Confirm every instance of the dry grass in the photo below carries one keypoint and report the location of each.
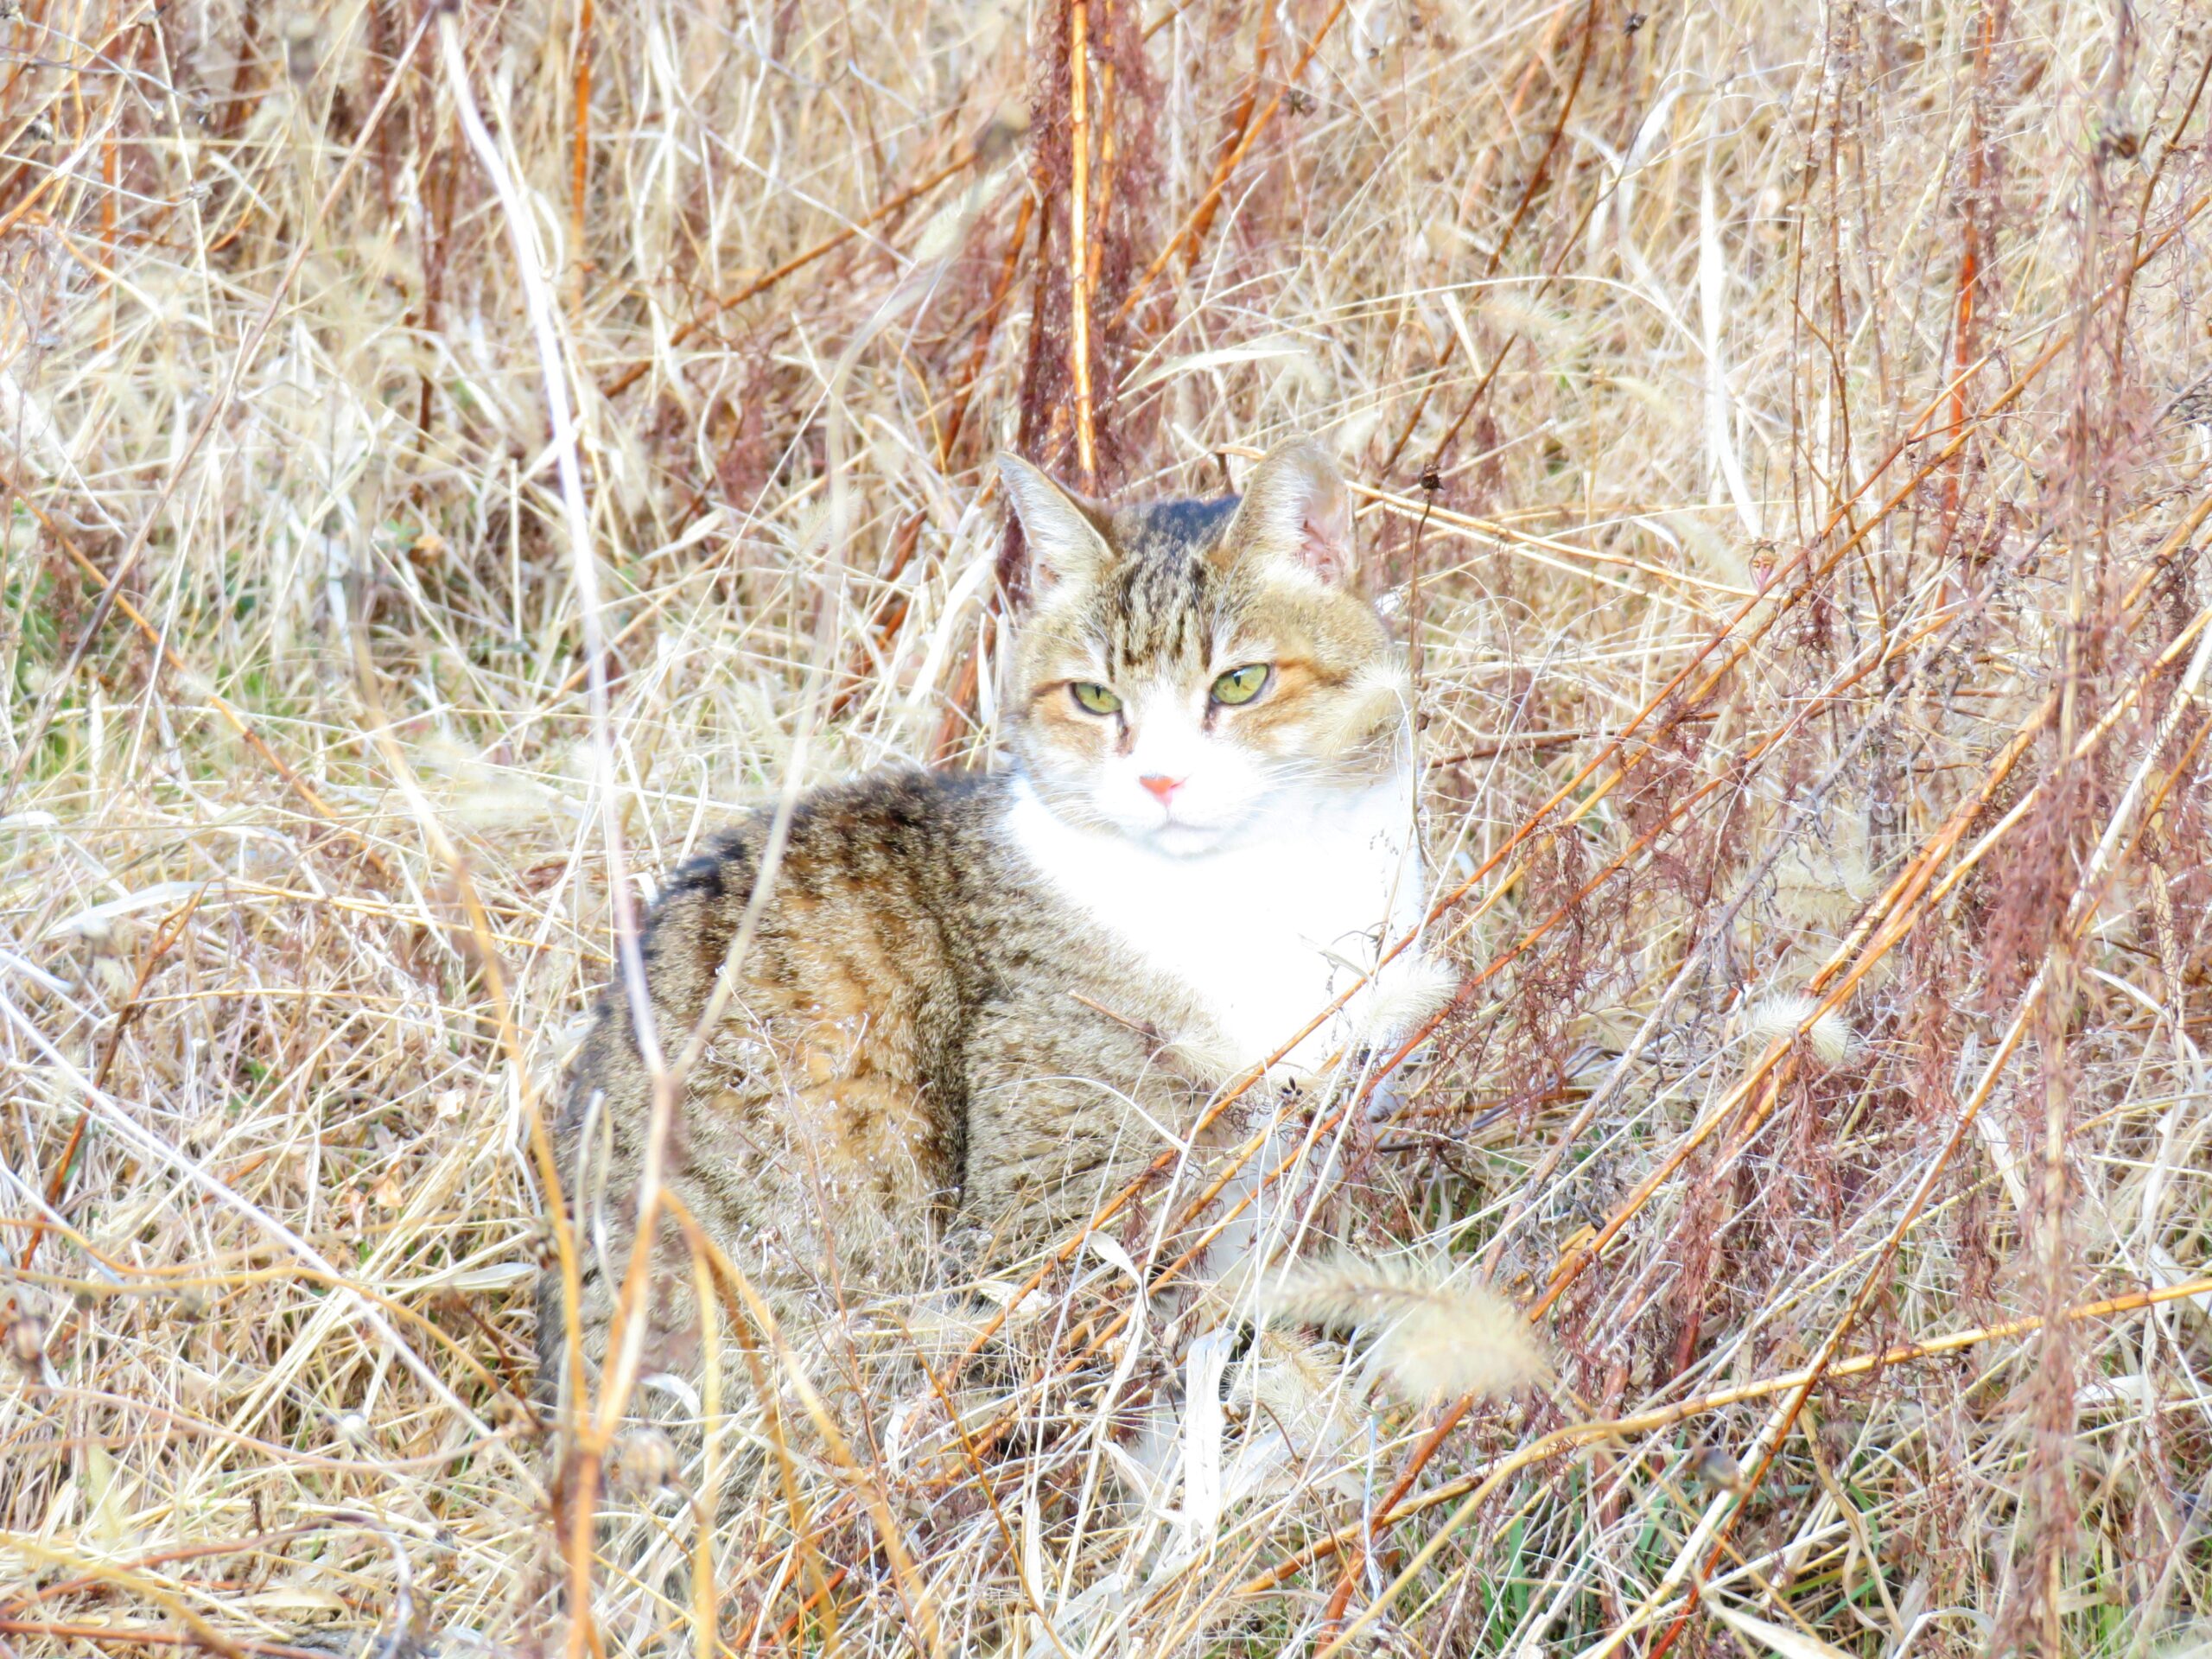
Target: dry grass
(1781, 428)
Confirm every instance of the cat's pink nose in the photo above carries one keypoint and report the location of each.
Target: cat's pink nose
(1162, 786)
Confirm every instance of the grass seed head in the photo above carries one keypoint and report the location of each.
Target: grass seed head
(1773, 1019)
(1427, 1331)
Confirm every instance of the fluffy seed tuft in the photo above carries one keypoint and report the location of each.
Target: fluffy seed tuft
(1831, 1038)
(1430, 1337)
(645, 1458)
(1402, 1002)
(27, 1340)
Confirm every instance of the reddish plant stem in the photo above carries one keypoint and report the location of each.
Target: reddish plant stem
(1520, 213)
(1970, 254)
(1191, 235)
(580, 159)
(1915, 879)
(1086, 446)
(760, 285)
(1240, 122)
(164, 942)
(1451, 346)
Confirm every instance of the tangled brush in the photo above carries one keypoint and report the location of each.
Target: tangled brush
(1779, 434)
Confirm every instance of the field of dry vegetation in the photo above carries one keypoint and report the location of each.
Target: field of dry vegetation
(452, 460)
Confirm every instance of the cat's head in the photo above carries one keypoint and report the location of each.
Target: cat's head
(1188, 667)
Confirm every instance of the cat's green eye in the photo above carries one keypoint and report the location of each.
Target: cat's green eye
(1096, 698)
(1240, 685)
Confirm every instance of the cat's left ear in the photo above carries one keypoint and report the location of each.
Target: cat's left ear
(1296, 512)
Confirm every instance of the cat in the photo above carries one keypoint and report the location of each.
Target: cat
(972, 1006)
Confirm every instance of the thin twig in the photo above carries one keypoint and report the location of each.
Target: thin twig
(1190, 234)
(760, 284)
(1086, 445)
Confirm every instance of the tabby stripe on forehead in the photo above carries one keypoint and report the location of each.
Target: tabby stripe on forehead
(1164, 606)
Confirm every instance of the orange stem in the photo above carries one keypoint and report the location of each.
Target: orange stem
(1193, 229)
(761, 284)
(1079, 235)
(580, 157)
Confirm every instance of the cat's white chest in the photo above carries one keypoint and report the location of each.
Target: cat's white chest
(1266, 932)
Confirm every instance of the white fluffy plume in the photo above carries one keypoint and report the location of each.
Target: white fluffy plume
(1400, 1001)
(1430, 1337)
(1831, 1038)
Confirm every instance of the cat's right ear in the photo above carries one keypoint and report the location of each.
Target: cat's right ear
(1064, 544)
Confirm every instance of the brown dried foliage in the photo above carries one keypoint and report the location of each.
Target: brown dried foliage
(1802, 398)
